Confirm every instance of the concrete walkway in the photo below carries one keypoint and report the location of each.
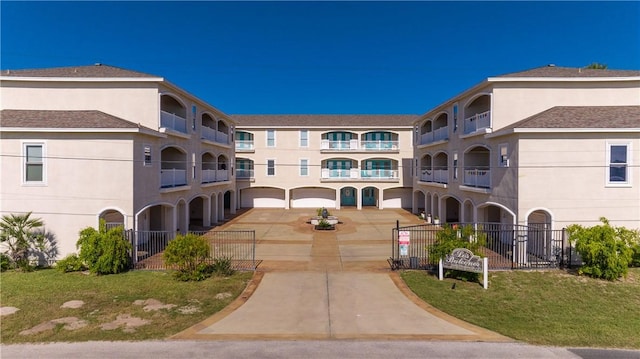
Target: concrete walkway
(328, 284)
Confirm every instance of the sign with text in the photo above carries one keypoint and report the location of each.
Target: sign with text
(403, 241)
(464, 260)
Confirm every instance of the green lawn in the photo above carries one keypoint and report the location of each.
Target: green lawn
(548, 307)
(40, 294)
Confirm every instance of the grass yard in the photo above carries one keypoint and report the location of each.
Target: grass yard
(40, 294)
(548, 308)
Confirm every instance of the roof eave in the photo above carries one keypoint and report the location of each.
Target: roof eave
(561, 130)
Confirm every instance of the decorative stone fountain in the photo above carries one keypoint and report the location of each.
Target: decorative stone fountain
(324, 221)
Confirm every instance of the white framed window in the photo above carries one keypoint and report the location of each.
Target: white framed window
(455, 117)
(618, 161)
(34, 169)
(304, 138)
(503, 152)
(147, 156)
(455, 165)
(304, 167)
(271, 138)
(271, 167)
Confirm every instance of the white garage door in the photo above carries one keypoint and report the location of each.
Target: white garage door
(397, 198)
(262, 198)
(313, 198)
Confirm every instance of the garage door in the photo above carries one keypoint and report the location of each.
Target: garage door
(262, 198)
(397, 198)
(313, 198)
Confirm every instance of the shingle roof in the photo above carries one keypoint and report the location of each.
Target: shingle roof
(61, 119)
(582, 117)
(554, 71)
(324, 120)
(97, 71)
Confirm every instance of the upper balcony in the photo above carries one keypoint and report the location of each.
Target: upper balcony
(173, 167)
(434, 169)
(433, 131)
(173, 114)
(348, 170)
(477, 170)
(244, 169)
(244, 142)
(375, 141)
(214, 130)
(214, 169)
(478, 115)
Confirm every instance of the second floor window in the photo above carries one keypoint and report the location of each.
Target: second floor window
(34, 163)
(618, 166)
(271, 167)
(304, 167)
(147, 156)
(304, 138)
(271, 138)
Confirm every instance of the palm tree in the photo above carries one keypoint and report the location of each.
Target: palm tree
(20, 233)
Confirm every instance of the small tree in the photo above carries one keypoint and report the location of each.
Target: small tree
(605, 250)
(22, 236)
(596, 66)
(188, 254)
(104, 251)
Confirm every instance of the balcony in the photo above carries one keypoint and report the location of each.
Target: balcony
(328, 145)
(435, 176)
(244, 174)
(441, 134)
(245, 146)
(379, 146)
(213, 135)
(173, 177)
(173, 122)
(477, 122)
(357, 174)
(477, 177)
(210, 176)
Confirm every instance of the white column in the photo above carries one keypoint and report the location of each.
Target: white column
(287, 205)
(206, 212)
(337, 198)
(359, 198)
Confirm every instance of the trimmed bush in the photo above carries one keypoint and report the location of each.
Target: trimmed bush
(452, 237)
(188, 255)
(104, 251)
(606, 251)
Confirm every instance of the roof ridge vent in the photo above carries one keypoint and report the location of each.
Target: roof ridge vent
(551, 65)
(97, 64)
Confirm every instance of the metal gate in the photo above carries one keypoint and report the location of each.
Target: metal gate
(238, 246)
(507, 246)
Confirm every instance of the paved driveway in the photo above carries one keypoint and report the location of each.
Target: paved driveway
(329, 284)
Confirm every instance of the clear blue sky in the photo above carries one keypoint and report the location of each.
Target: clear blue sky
(321, 57)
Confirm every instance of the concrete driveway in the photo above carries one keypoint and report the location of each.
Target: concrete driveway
(329, 284)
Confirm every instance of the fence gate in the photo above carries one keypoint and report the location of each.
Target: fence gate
(507, 246)
(238, 246)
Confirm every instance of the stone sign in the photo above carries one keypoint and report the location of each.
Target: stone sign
(464, 260)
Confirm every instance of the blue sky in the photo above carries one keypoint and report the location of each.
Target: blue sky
(321, 57)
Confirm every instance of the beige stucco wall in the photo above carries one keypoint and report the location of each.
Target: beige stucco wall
(81, 180)
(566, 175)
(287, 154)
(512, 101)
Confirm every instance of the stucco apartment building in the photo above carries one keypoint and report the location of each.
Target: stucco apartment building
(332, 161)
(549, 145)
(80, 144)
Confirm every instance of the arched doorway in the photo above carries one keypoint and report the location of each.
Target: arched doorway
(369, 196)
(348, 196)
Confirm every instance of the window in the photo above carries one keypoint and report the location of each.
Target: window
(271, 138)
(271, 167)
(147, 156)
(503, 161)
(34, 163)
(304, 138)
(618, 163)
(455, 165)
(455, 118)
(304, 167)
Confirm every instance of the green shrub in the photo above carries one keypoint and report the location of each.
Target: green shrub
(188, 254)
(5, 262)
(606, 251)
(222, 266)
(70, 263)
(452, 237)
(104, 251)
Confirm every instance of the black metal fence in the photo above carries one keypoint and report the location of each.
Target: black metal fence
(507, 246)
(238, 246)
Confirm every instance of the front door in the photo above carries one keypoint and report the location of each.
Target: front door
(348, 196)
(369, 196)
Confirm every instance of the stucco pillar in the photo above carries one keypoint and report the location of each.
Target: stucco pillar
(337, 198)
(287, 197)
(359, 198)
(206, 212)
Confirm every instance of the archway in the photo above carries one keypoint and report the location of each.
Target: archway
(348, 197)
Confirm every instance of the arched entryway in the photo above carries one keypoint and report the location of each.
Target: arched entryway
(369, 196)
(451, 212)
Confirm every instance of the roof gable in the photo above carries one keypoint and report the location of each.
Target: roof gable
(92, 71)
(298, 121)
(62, 119)
(582, 117)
